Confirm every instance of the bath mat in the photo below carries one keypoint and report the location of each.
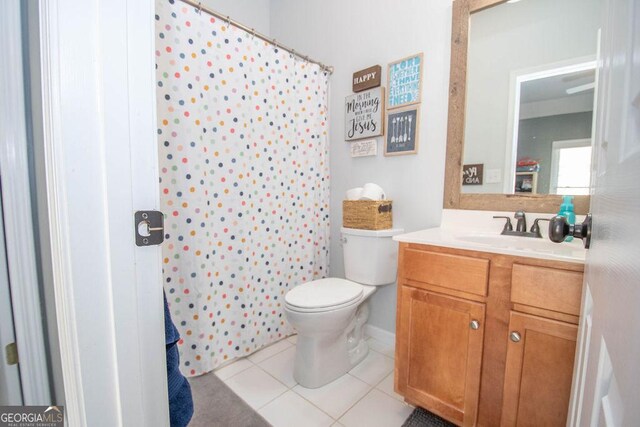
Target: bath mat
(423, 418)
(216, 405)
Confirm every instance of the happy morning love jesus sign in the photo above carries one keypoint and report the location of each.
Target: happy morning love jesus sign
(363, 114)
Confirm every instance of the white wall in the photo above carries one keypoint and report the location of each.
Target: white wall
(510, 37)
(352, 35)
(555, 107)
(252, 13)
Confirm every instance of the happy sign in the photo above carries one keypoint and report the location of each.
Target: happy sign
(367, 78)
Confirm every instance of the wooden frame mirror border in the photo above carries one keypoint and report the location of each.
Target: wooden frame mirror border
(453, 196)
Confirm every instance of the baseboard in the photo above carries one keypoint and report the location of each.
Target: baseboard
(380, 334)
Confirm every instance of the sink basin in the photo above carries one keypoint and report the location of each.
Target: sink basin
(496, 243)
(515, 242)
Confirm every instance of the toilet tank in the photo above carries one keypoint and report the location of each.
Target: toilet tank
(370, 256)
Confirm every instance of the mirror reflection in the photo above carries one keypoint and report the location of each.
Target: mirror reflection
(530, 95)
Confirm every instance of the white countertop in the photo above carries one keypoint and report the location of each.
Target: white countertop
(485, 237)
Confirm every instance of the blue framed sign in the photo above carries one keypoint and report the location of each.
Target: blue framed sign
(404, 81)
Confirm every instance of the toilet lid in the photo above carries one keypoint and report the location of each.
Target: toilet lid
(323, 293)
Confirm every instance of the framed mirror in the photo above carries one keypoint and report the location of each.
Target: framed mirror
(521, 102)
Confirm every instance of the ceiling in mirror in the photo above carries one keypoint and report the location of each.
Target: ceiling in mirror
(530, 96)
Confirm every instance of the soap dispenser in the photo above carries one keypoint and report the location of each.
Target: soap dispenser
(567, 211)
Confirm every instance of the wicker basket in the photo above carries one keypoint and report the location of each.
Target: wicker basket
(367, 214)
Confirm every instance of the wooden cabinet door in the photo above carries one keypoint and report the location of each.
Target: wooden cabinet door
(539, 370)
(440, 353)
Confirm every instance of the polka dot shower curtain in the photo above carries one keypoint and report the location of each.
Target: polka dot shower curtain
(242, 134)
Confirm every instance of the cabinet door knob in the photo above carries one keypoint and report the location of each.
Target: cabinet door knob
(514, 336)
(474, 325)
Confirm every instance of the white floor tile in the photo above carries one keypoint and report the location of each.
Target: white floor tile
(293, 339)
(383, 348)
(233, 368)
(255, 387)
(269, 351)
(336, 397)
(386, 386)
(291, 410)
(373, 368)
(280, 366)
(376, 410)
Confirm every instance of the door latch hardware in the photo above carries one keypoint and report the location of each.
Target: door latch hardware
(559, 228)
(11, 353)
(149, 228)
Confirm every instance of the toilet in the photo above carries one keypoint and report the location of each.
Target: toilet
(329, 314)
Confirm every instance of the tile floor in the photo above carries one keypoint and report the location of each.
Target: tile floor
(363, 397)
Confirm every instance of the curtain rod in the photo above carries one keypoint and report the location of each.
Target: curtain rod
(253, 32)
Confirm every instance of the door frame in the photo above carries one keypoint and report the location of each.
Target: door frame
(98, 89)
(18, 217)
(10, 387)
(516, 78)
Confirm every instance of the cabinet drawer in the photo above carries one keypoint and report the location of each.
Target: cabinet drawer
(547, 288)
(455, 272)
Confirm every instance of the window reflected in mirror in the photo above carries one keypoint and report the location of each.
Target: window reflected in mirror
(571, 167)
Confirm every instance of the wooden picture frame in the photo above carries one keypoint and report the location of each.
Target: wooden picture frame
(453, 196)
(393, 97)
(409, 128)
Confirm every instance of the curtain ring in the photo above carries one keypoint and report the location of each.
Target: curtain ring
(253, 33)
(293, 53)
(199, 8)
(275, 43)
(228, 21)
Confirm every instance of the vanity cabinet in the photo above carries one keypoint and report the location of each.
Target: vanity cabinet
(537, 381)
(442, 350)
(486, 339)
(542, 343)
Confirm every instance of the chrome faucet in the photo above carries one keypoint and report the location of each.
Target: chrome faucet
(521, 226)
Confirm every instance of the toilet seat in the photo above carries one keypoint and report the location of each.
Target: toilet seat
(324, 295)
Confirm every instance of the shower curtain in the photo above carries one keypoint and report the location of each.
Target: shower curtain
(244, 182)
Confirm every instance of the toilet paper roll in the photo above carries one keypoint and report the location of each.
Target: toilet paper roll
(354, 194)
(372, 191)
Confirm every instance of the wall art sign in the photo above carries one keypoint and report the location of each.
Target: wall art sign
(405, 81)
(364, 148)
(367, 78)
(402, 131)
(472, 174)
(364, 114)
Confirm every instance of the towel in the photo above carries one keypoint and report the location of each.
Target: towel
(180, 399)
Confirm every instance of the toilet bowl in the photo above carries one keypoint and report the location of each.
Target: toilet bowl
(329, 314)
